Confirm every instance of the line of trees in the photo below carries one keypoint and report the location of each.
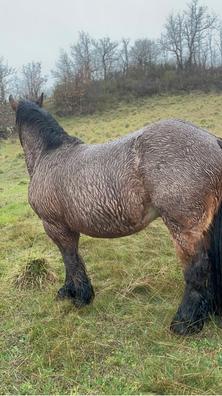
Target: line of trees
(187, 56)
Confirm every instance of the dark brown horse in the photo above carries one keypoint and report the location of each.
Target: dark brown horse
(170, 169)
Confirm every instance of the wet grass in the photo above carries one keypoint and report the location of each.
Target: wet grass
(121, 344)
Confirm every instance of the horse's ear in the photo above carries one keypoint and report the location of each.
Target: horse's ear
(13, 103)
(39, 101)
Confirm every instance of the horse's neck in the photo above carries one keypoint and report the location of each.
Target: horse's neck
(35, 145)
(33, 148)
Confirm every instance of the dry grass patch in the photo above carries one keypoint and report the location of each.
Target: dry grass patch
(36, 274)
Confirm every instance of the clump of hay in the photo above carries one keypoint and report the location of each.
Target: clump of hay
(140, 286)
(36, 274)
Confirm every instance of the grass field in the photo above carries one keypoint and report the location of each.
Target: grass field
(121, 344)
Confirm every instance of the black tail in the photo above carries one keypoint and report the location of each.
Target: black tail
(215, 257)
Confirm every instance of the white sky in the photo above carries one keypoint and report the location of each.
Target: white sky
(37, 30)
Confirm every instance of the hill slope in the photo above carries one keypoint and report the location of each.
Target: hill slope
(121, 344)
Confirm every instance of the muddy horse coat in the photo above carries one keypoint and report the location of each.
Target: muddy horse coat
(170, 169)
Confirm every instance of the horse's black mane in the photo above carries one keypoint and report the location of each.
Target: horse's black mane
(51, 133)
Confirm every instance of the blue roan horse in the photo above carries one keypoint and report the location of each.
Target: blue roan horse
(170, 169)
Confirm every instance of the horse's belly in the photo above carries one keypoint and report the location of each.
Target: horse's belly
(116, 226)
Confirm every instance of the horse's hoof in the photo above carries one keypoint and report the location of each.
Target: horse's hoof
(184, 328)
(191, 314)
(63, 293)
(84, 296)
(79, 296)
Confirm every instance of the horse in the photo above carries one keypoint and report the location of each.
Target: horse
(170, 169)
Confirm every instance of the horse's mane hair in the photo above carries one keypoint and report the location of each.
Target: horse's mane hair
(51, 133)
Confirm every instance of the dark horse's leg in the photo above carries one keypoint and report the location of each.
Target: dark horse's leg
(77, 284)
(191, 244)
(197, 300)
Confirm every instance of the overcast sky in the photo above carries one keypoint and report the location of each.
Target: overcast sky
(37, 30)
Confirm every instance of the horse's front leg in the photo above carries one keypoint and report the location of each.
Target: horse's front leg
(77, 283)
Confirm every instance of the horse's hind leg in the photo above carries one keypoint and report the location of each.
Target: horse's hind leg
(196, 302)
(77, 284)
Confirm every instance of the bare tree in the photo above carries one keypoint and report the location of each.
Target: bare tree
(144, 53)
(172, 39)
(33, 81)
(124, 56)
(219, 44)
(63, 71)
(211, 48)
(197, 25)
(188, 36)
(106, 56)
(83, 56)
(6, 77)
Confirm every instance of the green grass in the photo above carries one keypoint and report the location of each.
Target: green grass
(121, 344)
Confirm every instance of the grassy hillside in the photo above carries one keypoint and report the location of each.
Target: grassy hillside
(121, 344)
